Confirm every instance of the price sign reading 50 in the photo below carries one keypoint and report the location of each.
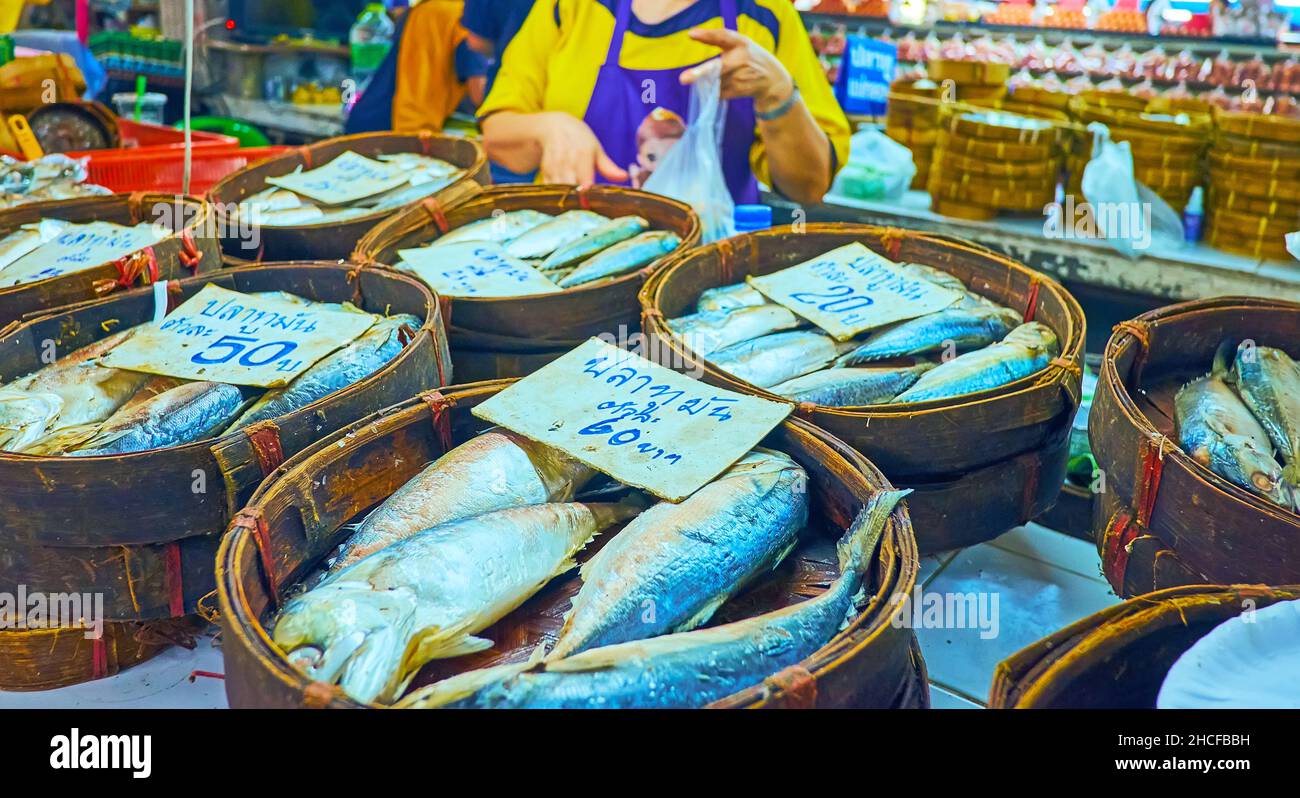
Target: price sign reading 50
(249, 352)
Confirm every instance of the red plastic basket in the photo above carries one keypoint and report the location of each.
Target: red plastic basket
(162, 171)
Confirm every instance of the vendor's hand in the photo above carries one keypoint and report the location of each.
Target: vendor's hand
(747, 69)
(572, 154)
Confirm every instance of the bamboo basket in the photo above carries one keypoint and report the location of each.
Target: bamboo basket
(513, 337)
(142, 529)
(980, 464)
(976, 72)
(296, 519)
(1119, 657)
(44, 659)
(1072, 513)
(335, 240)
(1159, 502)
(189, 250)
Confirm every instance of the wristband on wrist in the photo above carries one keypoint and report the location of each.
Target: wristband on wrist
(781, 110)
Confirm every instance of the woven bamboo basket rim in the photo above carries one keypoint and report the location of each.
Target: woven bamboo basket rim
(956, 179)
(1258, 126)
(1002, 150)
(480, 204)
(979, 166)
(964, 123)
(1166, 179)
(980, 72)
(1125, 339)
(39, 659)
(1248, 226)
(1167, 142)
(1218, 200)
(1010, 105)
(1071, 339)
(225, 190)
(1264, 167)
(1033, 676)
(1197, 126)
(1035, 95)
(1178, 161)
(962, 210)
(1255, 248)
(1010, 199)
(913, 136)
(1253, 148)
(82, 209)
(1112, 99)
(1190, 105)
(981, 93)
(1228, 184)
(897, 558)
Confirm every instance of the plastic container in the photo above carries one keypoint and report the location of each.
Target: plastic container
(1193, 216)
(151, 106)
(752, 217)
(369, 41)
(162, 170)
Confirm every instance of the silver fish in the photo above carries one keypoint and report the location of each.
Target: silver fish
(25, 416)
(623, 257)
(270, 199)
(597, 239)
(1026, 350)
(424, 598)
(729, 297)
(423, 165)
(347, 366)
(1216, 429)
(1268, 381)
(307, 214)
(709, 331)
(969, 298)
(191, 412)
(501, 229)
(774, 359)
(959, 328)
(546, 238)
(684, 560)
(689, 669)
(852, 387)
(493, 471)
(405, 195)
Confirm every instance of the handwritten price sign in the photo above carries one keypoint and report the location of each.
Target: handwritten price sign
(347, 178)
(226, 336)
(77, 248)
(638, 422)
(852, 289)
(475, 269)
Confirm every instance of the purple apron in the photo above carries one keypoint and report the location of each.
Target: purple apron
(637, 132)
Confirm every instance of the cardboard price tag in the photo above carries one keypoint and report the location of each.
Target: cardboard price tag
(77, 248)
(635, 421)
(852, 289)
(475, 269)
(226, 336)
(347, 178)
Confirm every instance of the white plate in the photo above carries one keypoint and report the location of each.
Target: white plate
(1251, 661)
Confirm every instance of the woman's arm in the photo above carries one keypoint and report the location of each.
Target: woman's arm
(561, 146)
(798, 151)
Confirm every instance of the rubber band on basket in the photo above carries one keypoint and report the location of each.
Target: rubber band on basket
(142, 262)
(1138, 329)
(438, 407)
(798, 686)
(1031, 305)
(173, 579)
(584, 200)
(433, 207)
(805, 410)
(305, 154)
(264, 439)
(1151, 454)
(98, 658)
(1118, 537)
(892, 240)
(726, 256)
(190, 255)
(426, 142)
(254, 523)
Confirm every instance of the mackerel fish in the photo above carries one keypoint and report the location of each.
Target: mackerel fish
(851, 387)
(623, 257)
(708, 331)
(684, 560)
(1216, 429)
(1026, 349)
(774, 359)
(963, 328)
(729, 297)
(188, 413)
(595, 240)
(493, 471)
(501, 229)
(684, 670)
(376, 622)
(546, 238)
(1268, 381)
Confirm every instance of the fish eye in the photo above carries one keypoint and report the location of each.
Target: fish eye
(1262, 481)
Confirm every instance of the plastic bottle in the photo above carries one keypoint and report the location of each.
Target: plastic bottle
(752, 217)
(1193, 214)
(370, 39)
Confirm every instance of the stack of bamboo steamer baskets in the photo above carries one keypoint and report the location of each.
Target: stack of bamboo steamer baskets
(1168, 139)
(1254, 179)
(1119, 657)
(298, 517)
(991, 159)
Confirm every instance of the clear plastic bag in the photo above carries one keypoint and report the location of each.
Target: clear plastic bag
(1130, 216)
(878, 168)
(692, 169)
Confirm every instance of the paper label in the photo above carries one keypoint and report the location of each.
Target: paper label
(226, 336)
(78, 248)
(347, 178)
(638, 422)
(475, 269)
(852, 289)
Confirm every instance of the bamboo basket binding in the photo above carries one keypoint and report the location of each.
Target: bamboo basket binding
(1119, 657)
(980, 464)
(335, 240)
(513, 337)
(43, 659)
(297, 518)
(142, 529)
(1165, 520)
(190, 249)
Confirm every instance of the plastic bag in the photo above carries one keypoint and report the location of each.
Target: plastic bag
(878, 168)
(1130, 216)
(692, 169)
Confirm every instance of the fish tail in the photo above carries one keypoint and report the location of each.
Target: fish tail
(1223, 358)
(856, 547)
(461, 686)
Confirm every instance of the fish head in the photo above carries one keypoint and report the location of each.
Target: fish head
(1035, 336)
(24, 417)
(1241, 460)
